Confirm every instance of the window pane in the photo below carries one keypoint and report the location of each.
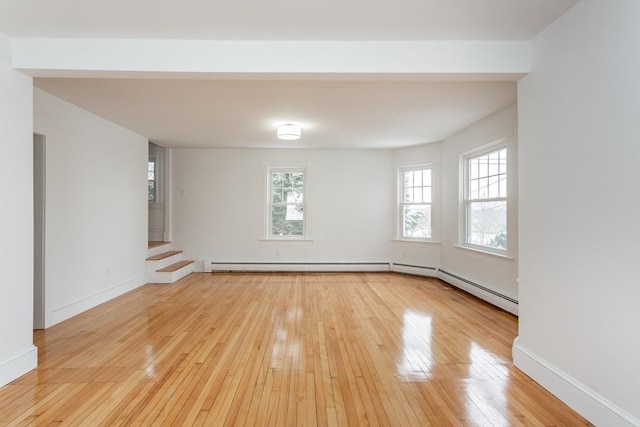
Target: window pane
(483, 162)
(426, 177)
(408, 179)
(473, 189)
(417, 178)
(426, 194)
(293, 195)
(287, 220)
(417, 221)
(487, 224)
(408, 195)
(294, 213)
(503, 186)
(503, 161)
(152, 191)
(276, 194)
(494, 189)
(297, 180)
(483, 188)
(417, 195)
(287, 187)
(151, 170)
(276, 180)
(493, 163)
(473, 168)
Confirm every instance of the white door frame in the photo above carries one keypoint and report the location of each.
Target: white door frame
(39, 223)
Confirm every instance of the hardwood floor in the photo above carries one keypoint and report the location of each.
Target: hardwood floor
(152, 244)
(354, 349)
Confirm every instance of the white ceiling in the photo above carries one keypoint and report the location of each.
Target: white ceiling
(242, 112)
(333, 114)
(282, 20)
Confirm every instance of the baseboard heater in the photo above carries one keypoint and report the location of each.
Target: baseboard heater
(328, 267)
(469, 282)
(414, 266)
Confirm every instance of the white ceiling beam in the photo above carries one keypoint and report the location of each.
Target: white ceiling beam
(49, 57)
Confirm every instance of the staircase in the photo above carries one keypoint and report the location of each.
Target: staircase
(165, 265)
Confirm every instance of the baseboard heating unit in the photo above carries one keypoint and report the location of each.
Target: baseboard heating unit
(328, 267)
(496, 298)
(414, 270)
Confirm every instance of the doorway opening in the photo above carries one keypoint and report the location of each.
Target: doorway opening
(156, 178)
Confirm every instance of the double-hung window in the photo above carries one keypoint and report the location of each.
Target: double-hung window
(416, 200)
(286, 191)
(151, 179)
(486, 200)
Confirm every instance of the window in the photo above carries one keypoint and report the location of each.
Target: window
(416, 203)
(151, 179)
(286, 203)
(486, 200)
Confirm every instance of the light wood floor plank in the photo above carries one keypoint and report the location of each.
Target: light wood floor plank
(285, 349)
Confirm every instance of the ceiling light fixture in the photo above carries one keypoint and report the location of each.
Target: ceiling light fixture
(289, 131)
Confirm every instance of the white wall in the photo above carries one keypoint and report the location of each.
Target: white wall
(17, 353)
(496, 273)
(218, 205)
(96, 208)
(579, 121)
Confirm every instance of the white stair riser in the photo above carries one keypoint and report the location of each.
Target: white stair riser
(171, 276)
(159, 249)
(154, 265)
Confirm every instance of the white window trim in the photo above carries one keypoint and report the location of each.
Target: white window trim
(399, 217)
(464, 194)
(306, 224)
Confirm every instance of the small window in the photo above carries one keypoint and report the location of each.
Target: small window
(486, 200)
(151, 179)
(286, 203)
(416, 199)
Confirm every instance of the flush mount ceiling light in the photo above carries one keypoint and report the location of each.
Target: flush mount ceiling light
(289, 131)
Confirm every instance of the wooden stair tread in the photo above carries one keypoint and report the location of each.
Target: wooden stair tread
(163, 255)
(152, 245)
(174, 267)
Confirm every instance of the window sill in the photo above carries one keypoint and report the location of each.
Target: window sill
(284, 239)
(482, 251)
(416, 241)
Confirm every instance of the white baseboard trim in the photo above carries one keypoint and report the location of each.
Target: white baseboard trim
(295, 267)
(504, 302)
(19, 365)
(414, 270)
(578, 396)
(84, 304)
